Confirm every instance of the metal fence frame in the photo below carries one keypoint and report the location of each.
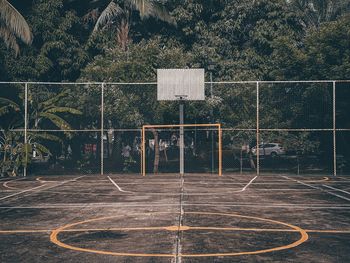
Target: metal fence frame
(102, 86)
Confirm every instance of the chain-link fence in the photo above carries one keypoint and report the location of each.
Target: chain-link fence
(298, 127)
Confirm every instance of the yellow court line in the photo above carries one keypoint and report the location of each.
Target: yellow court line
(9, 187)
(24, 231)
(16, 188)
(328, 231)
(44, 181)
(316, 181)
(303, 237)
(173, 228)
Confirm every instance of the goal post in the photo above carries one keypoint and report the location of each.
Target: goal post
(173, 126)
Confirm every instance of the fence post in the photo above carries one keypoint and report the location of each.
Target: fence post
(143, 151)
(102, 127)
(257, 130)
(334, 135)
(25, 127)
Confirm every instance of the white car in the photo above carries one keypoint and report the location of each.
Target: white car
(269, 149)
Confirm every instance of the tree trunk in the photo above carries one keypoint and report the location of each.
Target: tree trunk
(156, 151)
(252, 164)
(4, 161)
(116, 151)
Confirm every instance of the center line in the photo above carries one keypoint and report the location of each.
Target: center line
(115, 184)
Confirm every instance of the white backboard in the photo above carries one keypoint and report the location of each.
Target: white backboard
(180, 84)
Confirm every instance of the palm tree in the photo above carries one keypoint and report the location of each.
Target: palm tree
(317, 11)
(13, 152)
(13, 26)
(118, 14)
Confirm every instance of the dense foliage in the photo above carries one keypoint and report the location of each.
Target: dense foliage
(246, 40)
(126, 41)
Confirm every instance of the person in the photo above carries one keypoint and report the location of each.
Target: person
(69, 152)
(173, 139)
(126, 151)
(128, 161)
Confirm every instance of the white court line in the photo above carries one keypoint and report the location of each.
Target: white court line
(336, 189)
(5, 197)
(238, 191)
(228, 192)
(244, 188)
(122, 204)
(251, 181)
(8, 196)
(315, 187)
(346, 179)
(115, 184)
(144, 205)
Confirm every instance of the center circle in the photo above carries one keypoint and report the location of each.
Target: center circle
(303, 237)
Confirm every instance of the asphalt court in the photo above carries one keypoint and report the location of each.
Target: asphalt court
(169, 218)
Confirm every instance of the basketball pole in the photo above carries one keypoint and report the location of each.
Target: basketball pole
(212, 121)
(181, 84)
(182, 141)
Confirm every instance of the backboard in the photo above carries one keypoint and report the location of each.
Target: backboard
(180, 84)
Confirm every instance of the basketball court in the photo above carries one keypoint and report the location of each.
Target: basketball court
(173, 218)
(192, 192)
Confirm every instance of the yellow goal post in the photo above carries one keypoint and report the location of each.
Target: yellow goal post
(143, 140)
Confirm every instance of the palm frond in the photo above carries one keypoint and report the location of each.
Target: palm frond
(161, 13)
(112, 11)
(58, 121)
(65, 110)
(42, 149)
(145, 7)
(54, 99)
(9, 39)
(151, 8)
(4, 110)
(9, 103)
(15, 22)
(44, 136)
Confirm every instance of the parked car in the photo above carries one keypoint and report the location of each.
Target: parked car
(269, 149)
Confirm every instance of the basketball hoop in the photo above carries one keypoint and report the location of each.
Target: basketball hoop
(181, 97)
(180, 84)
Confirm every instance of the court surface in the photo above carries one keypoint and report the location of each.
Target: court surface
(169, 218)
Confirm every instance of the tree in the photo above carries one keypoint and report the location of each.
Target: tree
(118, 15)
(131, 106)
(57, 52)
(324, 54)
(314, 12)
(44, 109)
(13, 26)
